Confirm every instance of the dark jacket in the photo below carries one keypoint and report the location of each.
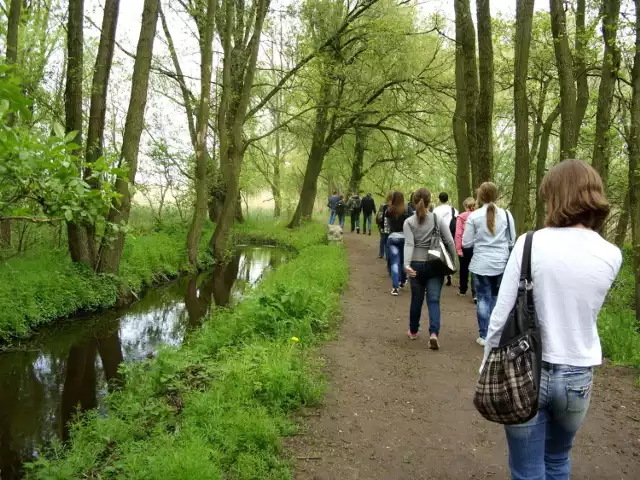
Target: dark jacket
(333, 200)
(395, 223)
(368, 205)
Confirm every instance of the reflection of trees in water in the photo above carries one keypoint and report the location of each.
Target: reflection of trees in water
(41, 390)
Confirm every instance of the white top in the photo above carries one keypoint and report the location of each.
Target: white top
(490, 252)
(572, 270)
(443, 212)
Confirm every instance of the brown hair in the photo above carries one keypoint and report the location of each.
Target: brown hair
(421, 198)
(388, 199)
(574, 195)
(397, 206)
(487, 195)
(469, 203)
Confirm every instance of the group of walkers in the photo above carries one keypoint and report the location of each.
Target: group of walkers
(354, 205)
(572, 268)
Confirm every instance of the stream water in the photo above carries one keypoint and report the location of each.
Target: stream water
(69, 365)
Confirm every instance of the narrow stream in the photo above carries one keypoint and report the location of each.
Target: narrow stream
(68, 366)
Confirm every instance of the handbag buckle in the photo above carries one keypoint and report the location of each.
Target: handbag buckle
(525, 345)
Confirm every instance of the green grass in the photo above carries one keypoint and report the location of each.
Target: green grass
(617, 325)
(45, 285)
(218, 407)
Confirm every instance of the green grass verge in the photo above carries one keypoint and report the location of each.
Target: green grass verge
(45, 285)
(218, 407)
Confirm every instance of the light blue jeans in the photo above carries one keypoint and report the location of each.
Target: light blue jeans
(487, 289)
(539, 449)
(396, 260)
(332, 217)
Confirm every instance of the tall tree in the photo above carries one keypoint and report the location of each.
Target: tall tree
(13, 27)
(468, 40)
(206, 62)
(580, 66)
(463, 165)
(610, 66)
(357, 167)
(240, 28)
(541, 165)
(76, 233)
(634, 158)
(110, 254)
(484, 117)
(520, 198)
(564, 63)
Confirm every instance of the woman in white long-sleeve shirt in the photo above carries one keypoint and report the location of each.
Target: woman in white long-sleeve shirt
(490, 232)
(573, 268)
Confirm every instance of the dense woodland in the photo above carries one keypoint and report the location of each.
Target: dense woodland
(215, 101)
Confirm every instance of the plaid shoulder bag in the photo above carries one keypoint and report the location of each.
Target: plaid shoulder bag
(509, 384)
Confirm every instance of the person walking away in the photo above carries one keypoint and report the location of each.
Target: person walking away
(395, 216)
(368, 210)
(355, 205)
(341, 211)
(333, 200)
(447, 213)
(489, 232)
(384, 234)
(411, 209)
(572, 270)
(427, 277)
(464, 254)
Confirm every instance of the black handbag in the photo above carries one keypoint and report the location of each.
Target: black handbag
(509, 385)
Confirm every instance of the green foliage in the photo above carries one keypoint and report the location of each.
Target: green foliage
(218, 407)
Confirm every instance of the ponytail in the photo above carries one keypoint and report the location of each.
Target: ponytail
(491, 218)
(421, 211)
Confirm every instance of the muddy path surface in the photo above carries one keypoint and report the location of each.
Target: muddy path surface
(397, 410)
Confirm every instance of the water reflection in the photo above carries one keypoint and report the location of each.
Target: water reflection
(70, 367)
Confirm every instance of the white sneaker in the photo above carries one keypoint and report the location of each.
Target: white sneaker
(395, 292)
(481, 341)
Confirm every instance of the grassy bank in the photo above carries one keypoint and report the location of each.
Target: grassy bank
(44, 284)
(218, 407)
(619, 330)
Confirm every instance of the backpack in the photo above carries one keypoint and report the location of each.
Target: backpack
(340, 207)
(452, 222)
(357, 203)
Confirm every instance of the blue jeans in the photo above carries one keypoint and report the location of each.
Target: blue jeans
(539, 449)
(396, 258)
(487, 288)
(427, 283)
(367, 221)
(382, 251)
(332, 217)
(341, 219)
(355, 220)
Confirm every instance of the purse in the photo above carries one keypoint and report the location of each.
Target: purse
(509, 384)
(438, 251)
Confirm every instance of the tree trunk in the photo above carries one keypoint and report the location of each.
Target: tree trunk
(537, 126)
(610, 65)
(358, 161)
(520, 198)
(13, 27)
(484, 118)
(459, 121)
(304, 210)
(119, 214)
(634, 157)
(623, 223)
(76, 234)
(564, 63)
(206, 62)
(580, 65)
(276, 181)
(239, 66)
(468, 40)
(541, 166)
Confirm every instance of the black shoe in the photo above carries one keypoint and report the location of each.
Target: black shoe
(369, 233)
(357, 230)
(448, 281)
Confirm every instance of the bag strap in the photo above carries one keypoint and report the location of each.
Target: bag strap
(509, 227)
(525, 269)
(453, 212)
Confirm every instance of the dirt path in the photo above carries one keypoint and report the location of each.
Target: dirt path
(396, 410)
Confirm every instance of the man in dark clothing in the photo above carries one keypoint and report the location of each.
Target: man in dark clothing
(333, 201)
(368, 210)
(355, 205)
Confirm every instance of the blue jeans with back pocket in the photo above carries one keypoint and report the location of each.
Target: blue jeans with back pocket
(539, 449)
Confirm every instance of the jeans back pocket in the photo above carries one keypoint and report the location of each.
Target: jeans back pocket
(579, 395)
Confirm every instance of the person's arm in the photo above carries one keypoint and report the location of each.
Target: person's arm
(409, 243)
(459, 230)
(447, 239)
(373, 202)
(506, 299)
(469, 235)
(512, 225)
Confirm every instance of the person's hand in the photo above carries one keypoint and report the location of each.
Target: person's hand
(411, 272)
